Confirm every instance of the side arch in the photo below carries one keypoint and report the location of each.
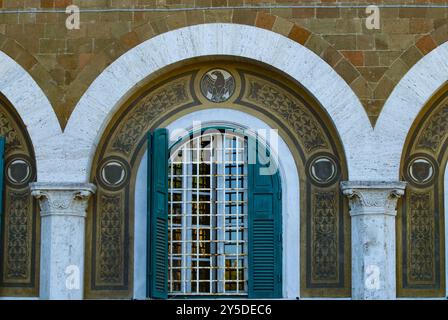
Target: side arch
(31, 131)
(35, 111)
(402, 108)
(421, 242)
(125, 75)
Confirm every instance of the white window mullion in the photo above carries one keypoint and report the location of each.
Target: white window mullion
(187, 236)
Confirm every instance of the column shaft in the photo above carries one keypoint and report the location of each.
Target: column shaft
(373, 212)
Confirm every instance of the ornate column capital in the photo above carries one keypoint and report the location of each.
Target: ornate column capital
(373, 197)
(65, 199)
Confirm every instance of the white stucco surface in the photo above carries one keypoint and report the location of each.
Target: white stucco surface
(290, 198)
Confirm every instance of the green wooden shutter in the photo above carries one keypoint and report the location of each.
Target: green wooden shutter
(158, 214)
(2, 169)
(265, 229)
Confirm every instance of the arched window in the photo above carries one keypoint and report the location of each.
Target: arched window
(223, 217)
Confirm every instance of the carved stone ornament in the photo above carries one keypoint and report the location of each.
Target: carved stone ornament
(367, 198)
(68, 199)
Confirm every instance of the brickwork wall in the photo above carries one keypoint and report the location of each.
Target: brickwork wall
(64, 63)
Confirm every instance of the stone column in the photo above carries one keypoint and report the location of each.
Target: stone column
(63, 211)
(373, 212)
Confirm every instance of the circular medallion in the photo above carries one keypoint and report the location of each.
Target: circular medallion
(421, 170)
(18, 171)
(323, 170)
(217, 85)
(114, 173)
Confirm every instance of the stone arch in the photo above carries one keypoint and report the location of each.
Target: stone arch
(403, 106)
(407, 59)
(103, 97)
(289, 181)
(446, 224)
(32, 131)
(33, 66)
(34, 109)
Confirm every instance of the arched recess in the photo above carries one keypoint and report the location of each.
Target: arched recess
(262, 93)
(37, 114)
(421, 214)
(20, 222)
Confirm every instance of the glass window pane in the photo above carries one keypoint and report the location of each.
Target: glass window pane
(207, 225)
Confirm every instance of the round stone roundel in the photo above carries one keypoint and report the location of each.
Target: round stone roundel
(421, 170)
(217, 85)
(18, 171)
(113, 173)
(323, 170)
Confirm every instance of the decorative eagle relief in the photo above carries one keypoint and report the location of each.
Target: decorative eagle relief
(217, 85)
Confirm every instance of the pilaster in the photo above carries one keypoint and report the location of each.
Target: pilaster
(373, 212)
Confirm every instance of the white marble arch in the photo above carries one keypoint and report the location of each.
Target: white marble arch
(290, 197)
(402, 107)
(105, 95)
(446, 226)
(34, 109)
